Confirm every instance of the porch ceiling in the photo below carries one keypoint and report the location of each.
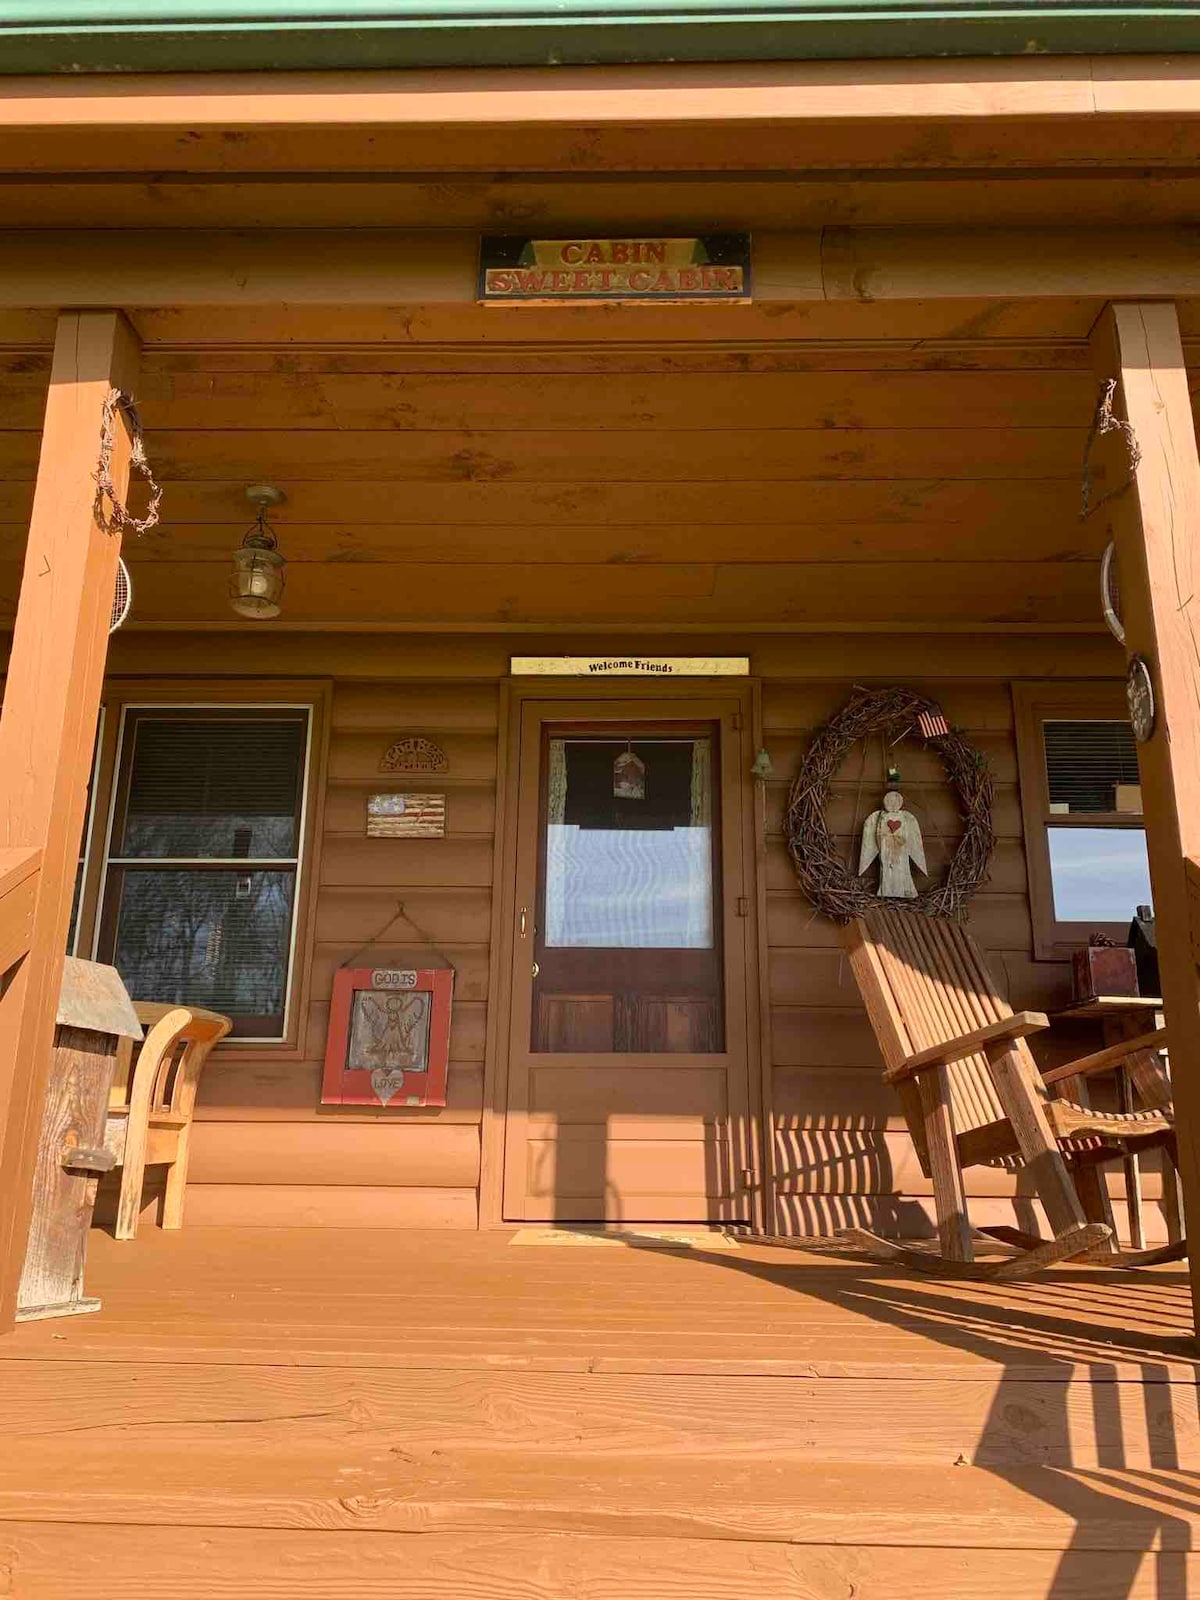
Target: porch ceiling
(700, 486)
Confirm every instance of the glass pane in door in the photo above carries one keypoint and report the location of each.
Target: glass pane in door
(628, 956)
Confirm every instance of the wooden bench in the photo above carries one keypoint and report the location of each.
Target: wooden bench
(150, 1109)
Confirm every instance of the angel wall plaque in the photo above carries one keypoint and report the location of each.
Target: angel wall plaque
(389, 1037)
(893, 836)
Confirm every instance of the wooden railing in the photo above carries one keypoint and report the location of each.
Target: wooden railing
(19, 869)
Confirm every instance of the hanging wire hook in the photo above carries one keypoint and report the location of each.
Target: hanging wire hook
(1115, 626)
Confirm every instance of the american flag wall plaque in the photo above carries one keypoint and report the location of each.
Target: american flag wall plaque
(406, 816)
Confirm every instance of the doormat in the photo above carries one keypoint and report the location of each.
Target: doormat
(633, 1238)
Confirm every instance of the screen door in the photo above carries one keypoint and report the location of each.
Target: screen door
(627, 1057)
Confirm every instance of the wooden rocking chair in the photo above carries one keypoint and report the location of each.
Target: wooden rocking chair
(972, 1093)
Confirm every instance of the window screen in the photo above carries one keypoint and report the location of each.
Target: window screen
(1085, 761)
(201, 887)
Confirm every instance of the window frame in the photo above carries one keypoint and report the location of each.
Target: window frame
(88, 840)
(1035, 703)
(309, 696)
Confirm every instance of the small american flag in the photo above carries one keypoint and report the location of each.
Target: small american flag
(932, 724)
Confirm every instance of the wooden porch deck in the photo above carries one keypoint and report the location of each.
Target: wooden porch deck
(284, 1413)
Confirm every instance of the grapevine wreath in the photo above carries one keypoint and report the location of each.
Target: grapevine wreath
(892, 714)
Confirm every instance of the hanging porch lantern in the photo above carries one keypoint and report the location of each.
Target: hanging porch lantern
(256, 584)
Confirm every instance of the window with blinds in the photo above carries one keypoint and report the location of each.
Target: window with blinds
(204, 853)
(1098, 874)
(1087, 763)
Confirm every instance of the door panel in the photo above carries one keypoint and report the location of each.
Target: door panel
(628, 1069)
(627, 907)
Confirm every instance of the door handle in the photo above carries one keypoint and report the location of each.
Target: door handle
(524, 919)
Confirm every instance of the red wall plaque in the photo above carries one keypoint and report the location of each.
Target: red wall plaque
(389, 1037)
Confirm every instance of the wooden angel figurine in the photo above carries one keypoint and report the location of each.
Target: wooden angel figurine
(894, 836)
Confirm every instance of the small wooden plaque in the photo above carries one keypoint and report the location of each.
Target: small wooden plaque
(406, 816)
(413, 753)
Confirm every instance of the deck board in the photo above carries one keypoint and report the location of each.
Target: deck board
(329, 1414)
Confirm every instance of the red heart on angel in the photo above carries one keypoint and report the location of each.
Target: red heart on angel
(893, 824)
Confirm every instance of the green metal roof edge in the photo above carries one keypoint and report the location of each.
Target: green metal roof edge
(575, 33)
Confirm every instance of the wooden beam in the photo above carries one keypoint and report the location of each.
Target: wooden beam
(909, 263)
(1079, 87)
(392, 267)
(48, 726)
(1153, 514)
(19, 870)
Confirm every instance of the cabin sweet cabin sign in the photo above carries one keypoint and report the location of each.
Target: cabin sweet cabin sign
(712, 266)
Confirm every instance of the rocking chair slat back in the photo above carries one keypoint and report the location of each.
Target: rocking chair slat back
(930, 981)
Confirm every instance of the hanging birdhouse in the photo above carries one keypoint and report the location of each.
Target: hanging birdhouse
(629, 777)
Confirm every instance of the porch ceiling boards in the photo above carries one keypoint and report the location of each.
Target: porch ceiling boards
(300, 1414)
(727, 485)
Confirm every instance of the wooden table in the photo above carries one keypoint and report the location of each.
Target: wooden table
(1125, 1016)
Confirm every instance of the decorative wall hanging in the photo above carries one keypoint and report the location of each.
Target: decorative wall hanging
(892, 836)
(110, 511)
(1105, 420)
(892, 714)
(412, 753)
(122, 597)
(406, 816)
(713, 266)
(1110, 593)
(629, 666)
(389, 1037)
(1139, 692)
(629, 776)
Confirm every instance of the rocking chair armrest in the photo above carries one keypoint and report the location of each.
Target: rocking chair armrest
(1104, 1060)
(1017, 1026)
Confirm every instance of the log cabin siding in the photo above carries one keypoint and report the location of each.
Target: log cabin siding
(266, 1151)
(841, 1153)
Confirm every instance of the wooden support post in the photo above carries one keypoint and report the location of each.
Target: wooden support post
(48, 726)
(1153, 513)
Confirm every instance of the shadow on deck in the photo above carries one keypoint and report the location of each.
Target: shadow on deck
(318, 1413)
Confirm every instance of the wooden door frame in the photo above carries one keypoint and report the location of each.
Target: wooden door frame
(514, 696)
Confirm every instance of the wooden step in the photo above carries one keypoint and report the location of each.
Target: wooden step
(44, 1561)
(410, 1345)
(986, 1418)
(365, 1486)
